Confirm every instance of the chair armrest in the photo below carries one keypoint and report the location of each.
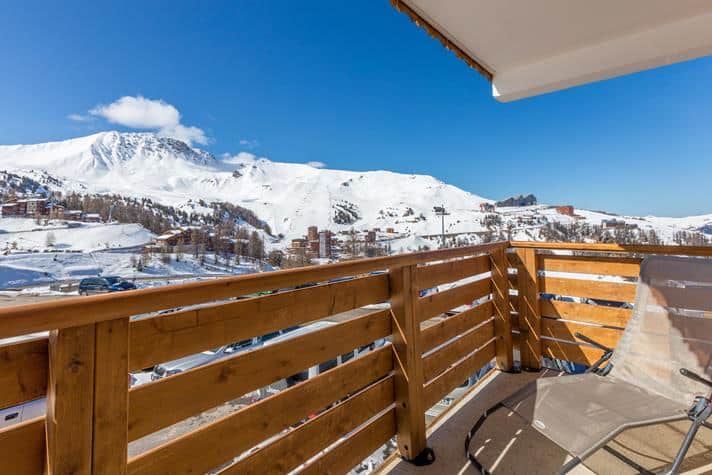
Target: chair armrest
(695, 377)
(590, 341)
(607, 353)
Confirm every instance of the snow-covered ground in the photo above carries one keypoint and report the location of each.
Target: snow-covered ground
(411, 244)
(23, 269)
(24, 234)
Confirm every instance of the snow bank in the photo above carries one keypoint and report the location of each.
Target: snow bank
(26, 235)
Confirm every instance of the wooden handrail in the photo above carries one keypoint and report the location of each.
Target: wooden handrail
(606, 247)
(71, 312)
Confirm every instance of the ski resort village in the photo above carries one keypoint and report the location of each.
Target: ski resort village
(99, 206)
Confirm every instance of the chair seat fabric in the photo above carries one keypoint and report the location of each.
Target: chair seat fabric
(579, 412)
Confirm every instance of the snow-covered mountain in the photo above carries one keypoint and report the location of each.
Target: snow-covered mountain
(104, 155)
(289, 197)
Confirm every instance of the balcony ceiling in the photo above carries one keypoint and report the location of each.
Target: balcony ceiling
(528, 47)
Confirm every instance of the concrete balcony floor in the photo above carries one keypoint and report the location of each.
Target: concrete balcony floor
(507, 445)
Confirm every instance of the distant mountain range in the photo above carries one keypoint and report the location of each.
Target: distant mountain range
(289, 197)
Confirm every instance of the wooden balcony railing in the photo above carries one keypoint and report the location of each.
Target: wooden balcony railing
(329, 422)
(593, 288)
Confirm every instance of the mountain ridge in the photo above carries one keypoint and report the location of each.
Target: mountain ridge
(288, 196)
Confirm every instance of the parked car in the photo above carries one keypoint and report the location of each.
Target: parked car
(99, 285)
(118, 283)
(193, 361)
(94, 285)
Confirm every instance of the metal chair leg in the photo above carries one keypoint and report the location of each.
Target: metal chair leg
(470, 435)
(698, 420)
(569, 466)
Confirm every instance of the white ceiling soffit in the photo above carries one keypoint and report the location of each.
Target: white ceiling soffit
(532, 47)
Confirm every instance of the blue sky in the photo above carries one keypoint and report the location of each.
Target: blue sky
(357, 86)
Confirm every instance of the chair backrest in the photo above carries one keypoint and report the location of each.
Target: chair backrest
(671, 328)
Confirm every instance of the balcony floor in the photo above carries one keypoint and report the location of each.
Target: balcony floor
(506, 445)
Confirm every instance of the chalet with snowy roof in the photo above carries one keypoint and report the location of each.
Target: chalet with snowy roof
(72, 214)
(299, 243)
(614, 223)
(92, 218)
(170, 238)
(35, 206)
(56, 211)
(9, 209)
(25, 207)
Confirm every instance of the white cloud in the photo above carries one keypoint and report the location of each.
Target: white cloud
(151, 114)
(251, 144)
(139, 113)
(79, 118)
(187, 134)
(316, 164)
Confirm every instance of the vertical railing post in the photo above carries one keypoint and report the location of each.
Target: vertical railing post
(70, 401)
(111, 386)
(87, 399)
(502, 317)
(408, 363)
(529, 311)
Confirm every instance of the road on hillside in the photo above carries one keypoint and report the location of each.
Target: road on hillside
(7, 300)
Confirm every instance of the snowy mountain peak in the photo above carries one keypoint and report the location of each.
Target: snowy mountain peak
(99, 154)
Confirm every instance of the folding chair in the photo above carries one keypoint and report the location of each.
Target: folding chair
(660, 371)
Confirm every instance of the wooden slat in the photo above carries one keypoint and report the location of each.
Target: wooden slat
(299, 445)
(439, 387)
(359, 445)
(581, 354)
(410, 414)
(438, 303)
(610, 316)
(565, 331)
(513, 280)
(435, 274)
(111, 388)
(70, 393)
(502, 318)
(595, 289)
(71, 312)
(450, 327)
(23, 372)
(632, 248)
(439, 360)
(529, 312)
(22, 448)
(171, 336)
(618, 266)
(514, 302)
(162, 403)
(231, 435)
